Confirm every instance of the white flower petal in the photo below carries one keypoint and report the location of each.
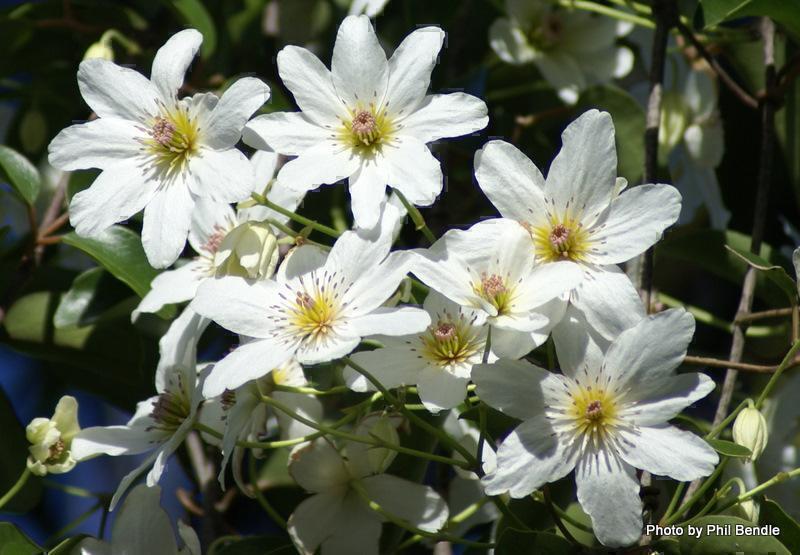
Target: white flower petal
(142, 526)
(402, 320)
(209, 218)
(306, 406)
(318, 467)
(312, 86)
(529, 457)
(340, 343)
(130, 478)
(359, 68)
(577, 345)
(608, 492)
(358, 529)
(246, 362)
(563, 73)
(511, 181)
(509, 343)
(324, 163)
(177, 366)
(101, 143)
(514, 387)
(608, 301)
(172, 61)
(114, 91)
(318, 521)
(171, 287)
(289, 133)
(299, 261)
(167, 219)
(667, 451)
(117, 194)
(223, 127)
(705, 143)
(634, 222)
(116, 440)
(367, 193)
(221, 175)
(651, 349)
(446, 115)
(509, 42)
(440, 390)
(417, 504)
(660, 400)
(547, 282)
(583, 173)
(413, 170)
(239, 305)
(391, 366)
(410, 69)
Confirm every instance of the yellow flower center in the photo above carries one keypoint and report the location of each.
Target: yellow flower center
(560, 240)
(448, 343)
(493, 288)
(56, 452)
(594, 413)
(367, 130)
(174, 137)
(314, 316)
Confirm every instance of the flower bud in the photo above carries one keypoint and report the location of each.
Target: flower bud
(249, 250)
(750, 510)
(674, 120)
(750, 430)
(100, 49)
(51, 439)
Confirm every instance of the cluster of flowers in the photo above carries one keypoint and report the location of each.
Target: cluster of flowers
(548, 267)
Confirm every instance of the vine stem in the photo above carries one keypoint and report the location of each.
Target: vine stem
(416, 217)
(322, 228)
(607, 11)
(458, 519)
(15, 489)
(260, 497)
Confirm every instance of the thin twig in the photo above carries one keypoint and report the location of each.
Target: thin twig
(763, 314)
(746, 98)
(767, 106)
(743, 366)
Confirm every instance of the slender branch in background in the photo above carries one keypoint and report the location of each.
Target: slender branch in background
(788, 361)
(723, 75)
(772, 313)
(666, 16)
(560, 525)
(329, 231)
(743, 366)
(205, 473)
(15, 489)
(767, 108)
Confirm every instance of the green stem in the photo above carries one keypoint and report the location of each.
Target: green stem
(778, 478)
(261, 199)
(369, 440)
(787, 360)
(698, 494)
(705, 317)
(20, 483)
(402, 523)
(260, 497)
(416, 217)
(610, 12)
(73, 490)
(443, 436)
(728, 419)
(311, 391)
(674, 501)
(458, 519)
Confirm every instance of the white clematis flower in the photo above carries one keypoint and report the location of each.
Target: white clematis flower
(438, 361)
(337, 517)
(604, 418)
(317, 309)
(214, 225)
(142, 526)
(246, 417)
(491, 268)
(157, 152)
(160, 423)
(571, 48)
(580, 215)
(367, 119)
(51, 439)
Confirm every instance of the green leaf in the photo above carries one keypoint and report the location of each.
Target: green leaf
(94, 295)
(666, 546)
(195, 14)
(80, 180)
(575, 511)
(20, 173)
(729, 448)
(711, 543)
(119, 250)
(110, 358)
(772, 513)
(785, 12)
(12, 463)
(259, 545)
(67, 547)
(14, 542)
(497, 423)
(629, 123)
(517, 542)
(777, 274)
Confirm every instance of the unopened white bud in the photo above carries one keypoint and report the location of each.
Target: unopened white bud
(51, 439)
(249, 250)
(100, 49)
(750, 430)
